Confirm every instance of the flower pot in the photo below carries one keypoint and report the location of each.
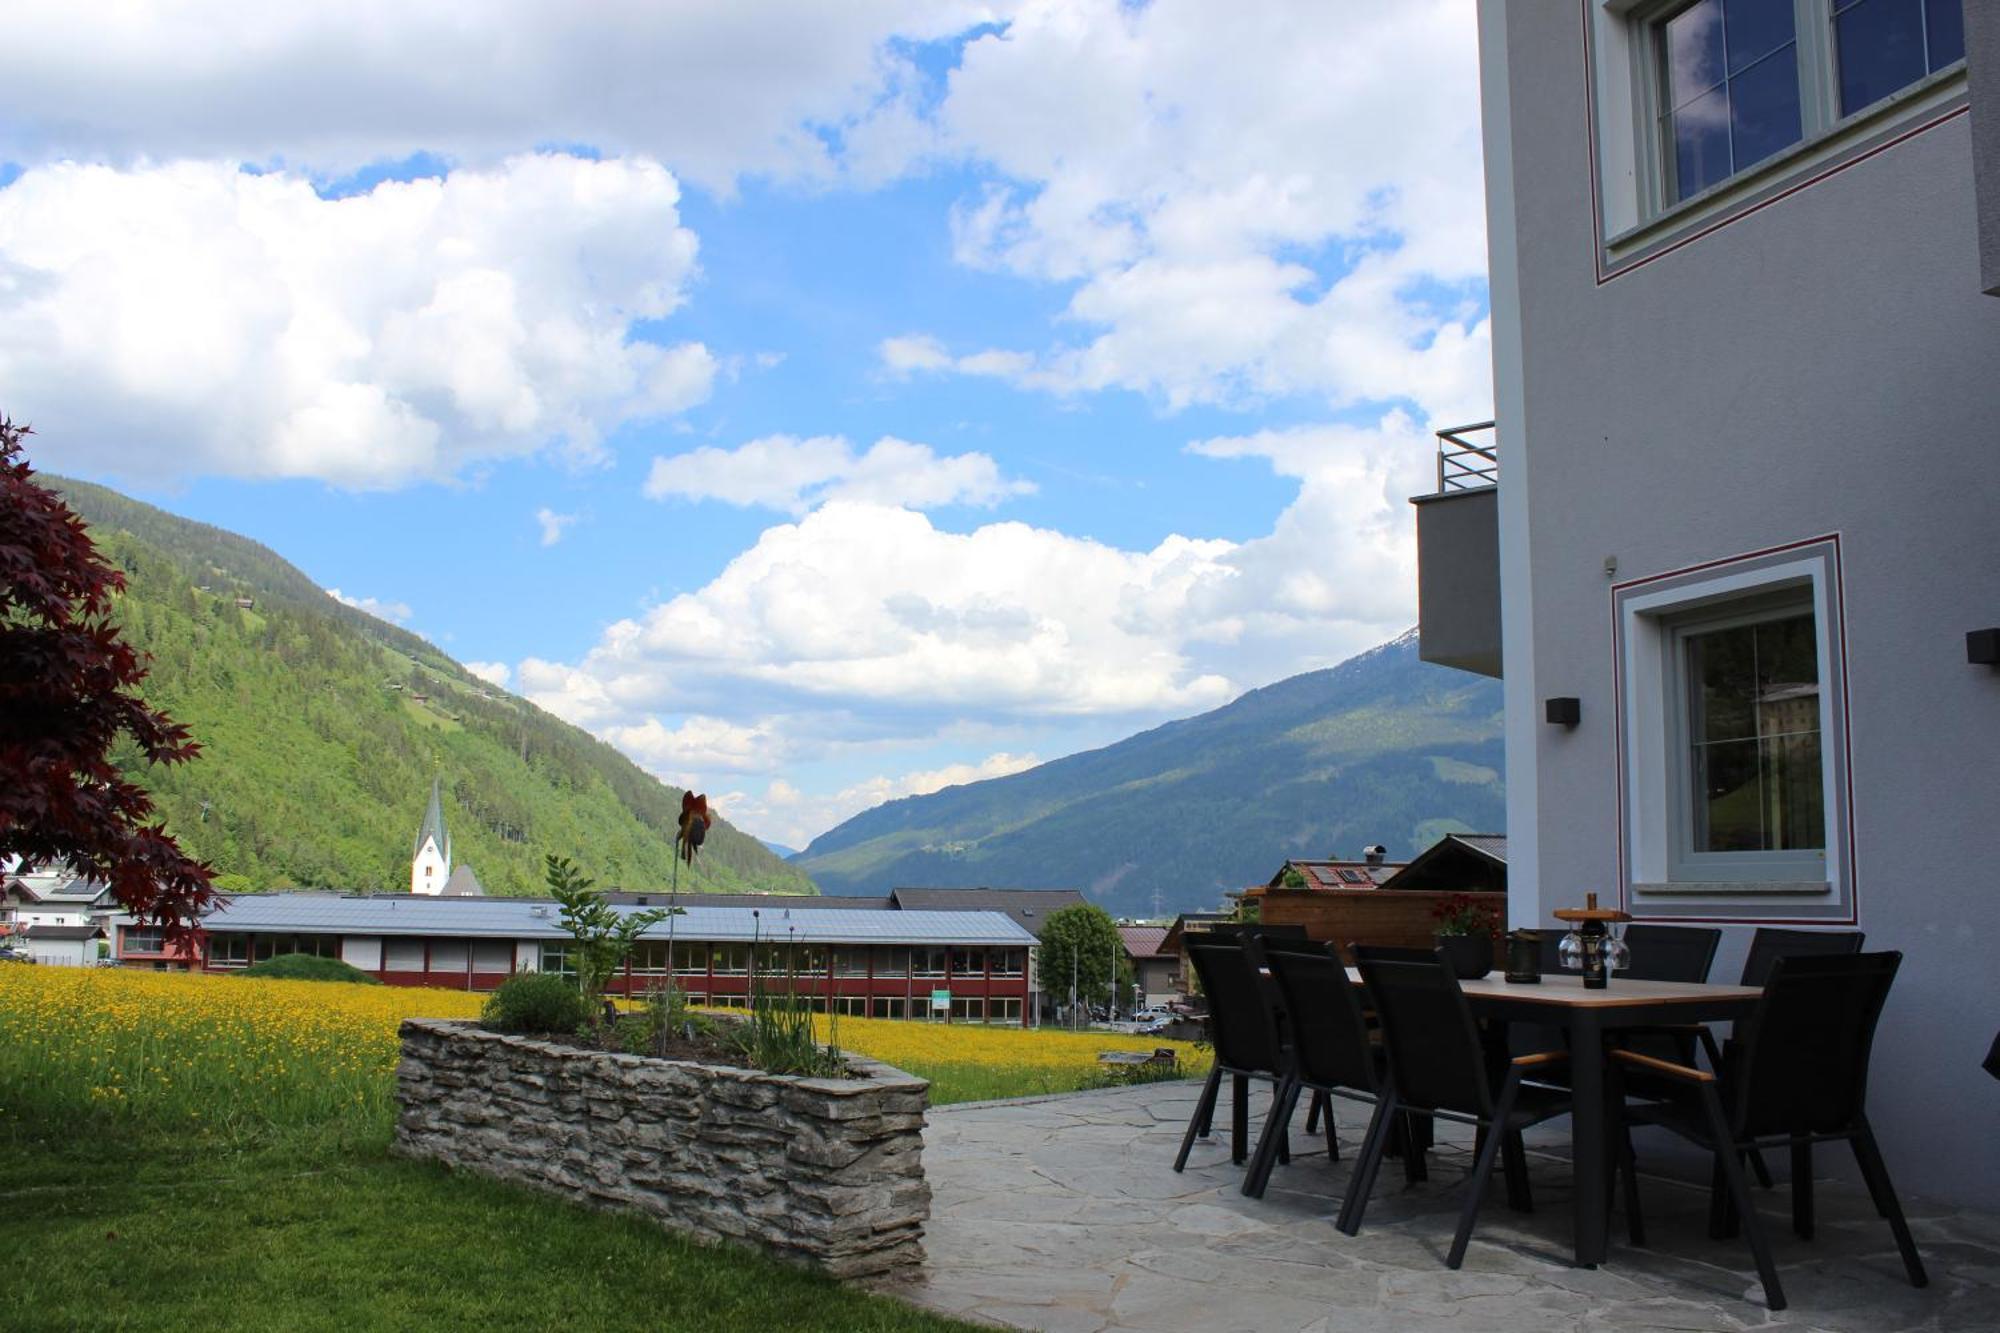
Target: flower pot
(1470, 956)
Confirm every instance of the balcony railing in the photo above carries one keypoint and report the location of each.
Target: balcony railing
(1464, 465)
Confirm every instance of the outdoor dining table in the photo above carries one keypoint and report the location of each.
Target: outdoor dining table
(1561, 1001)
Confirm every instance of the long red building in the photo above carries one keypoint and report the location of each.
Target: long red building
(877, 962)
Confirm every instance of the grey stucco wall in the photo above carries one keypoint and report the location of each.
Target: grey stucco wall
(1826, 364)
(1982, 59)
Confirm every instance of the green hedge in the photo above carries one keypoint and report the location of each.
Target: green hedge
(307, 967)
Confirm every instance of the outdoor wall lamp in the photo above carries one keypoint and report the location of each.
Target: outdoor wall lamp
(1982, 647)
(1563, 712)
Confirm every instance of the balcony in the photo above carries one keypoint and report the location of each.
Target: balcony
(1458, 553)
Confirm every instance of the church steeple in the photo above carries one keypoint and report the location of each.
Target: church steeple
(430, 862)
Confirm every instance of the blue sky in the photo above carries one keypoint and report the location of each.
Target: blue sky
(1153, 312)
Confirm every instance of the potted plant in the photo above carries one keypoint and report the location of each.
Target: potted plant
(1464, 931)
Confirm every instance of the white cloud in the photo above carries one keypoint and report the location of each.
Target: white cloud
(792, 474)
(493, 673)
(553, 524)
(242, 324)
(1249, 200)
(793, 817)
(864, 603)
(863, 627)
(719, 90)
(395, 612)
(920, 353)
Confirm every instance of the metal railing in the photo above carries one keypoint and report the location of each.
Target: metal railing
(1464, 465)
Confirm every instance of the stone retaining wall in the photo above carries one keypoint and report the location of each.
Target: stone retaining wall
(825, 1172)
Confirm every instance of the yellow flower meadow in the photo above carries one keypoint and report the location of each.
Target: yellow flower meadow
(232, 1053)
(227, 1052)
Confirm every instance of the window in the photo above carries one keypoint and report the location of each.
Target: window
(1008, 962)
(891, 1007)
(263, 947)
(1729, 80)
(1884, 46)
(850, 962)
(649, 958)
(854, 1006)
(1727, 84)
(892, 962)
(145, 941)
(927, 962)
(810, 960)
(1749, 761)
(731, 960)
(1732, 727)
(492, 956)
(403, 955)
(690, 959)
(1003, 1010)
(555, 958)
(228, 950)
(968, 962)
(450, 956)
(967, 1010)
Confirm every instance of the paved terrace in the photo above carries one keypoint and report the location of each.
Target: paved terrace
(1064, 1213)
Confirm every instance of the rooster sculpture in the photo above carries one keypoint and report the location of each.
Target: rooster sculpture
(694, 826)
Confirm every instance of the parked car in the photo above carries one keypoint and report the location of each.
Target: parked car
(8, 955)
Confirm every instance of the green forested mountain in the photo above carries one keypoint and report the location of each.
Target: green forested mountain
(322, 726)
(1382, 748)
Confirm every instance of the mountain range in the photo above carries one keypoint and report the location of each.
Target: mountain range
(1383, 748)
(322, 727)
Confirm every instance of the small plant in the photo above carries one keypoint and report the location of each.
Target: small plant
(604, 936)
(1291, 877)
(778, 1039)
(1460, 915)
(307, 967)
(539, 1003)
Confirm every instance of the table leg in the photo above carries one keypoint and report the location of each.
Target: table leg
(1587, 1135)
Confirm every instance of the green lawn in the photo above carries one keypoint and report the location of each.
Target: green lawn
(119, 1230)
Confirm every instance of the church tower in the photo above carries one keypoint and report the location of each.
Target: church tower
(430, 864)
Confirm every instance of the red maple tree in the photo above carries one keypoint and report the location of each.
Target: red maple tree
(68, 686)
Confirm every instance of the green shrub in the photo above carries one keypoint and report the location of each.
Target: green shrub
(536, 1002)
(307, 967)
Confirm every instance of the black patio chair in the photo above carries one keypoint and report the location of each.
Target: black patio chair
(1331, 1055)
(1244, 1037)
(1767, 946)
(1798, 1075)
(1438, 1065)
(1671, 953)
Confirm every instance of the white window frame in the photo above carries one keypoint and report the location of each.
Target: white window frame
(1637, 212)
(1661, 879)
(1684, 863)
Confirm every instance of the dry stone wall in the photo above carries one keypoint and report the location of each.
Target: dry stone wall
(825, 1172)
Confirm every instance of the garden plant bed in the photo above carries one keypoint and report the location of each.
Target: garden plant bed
(824, 1172)
(709, 1039)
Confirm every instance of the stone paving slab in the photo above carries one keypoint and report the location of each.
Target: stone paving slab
(1064, 1214)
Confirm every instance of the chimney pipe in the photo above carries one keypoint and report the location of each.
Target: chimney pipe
(1375, 854)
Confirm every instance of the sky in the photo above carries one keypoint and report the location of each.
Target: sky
(822, 403)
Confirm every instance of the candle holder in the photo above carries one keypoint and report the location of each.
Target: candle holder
(1589, 948)
(1524, 957)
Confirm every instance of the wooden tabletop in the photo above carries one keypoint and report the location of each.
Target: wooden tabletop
(1567, 989)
